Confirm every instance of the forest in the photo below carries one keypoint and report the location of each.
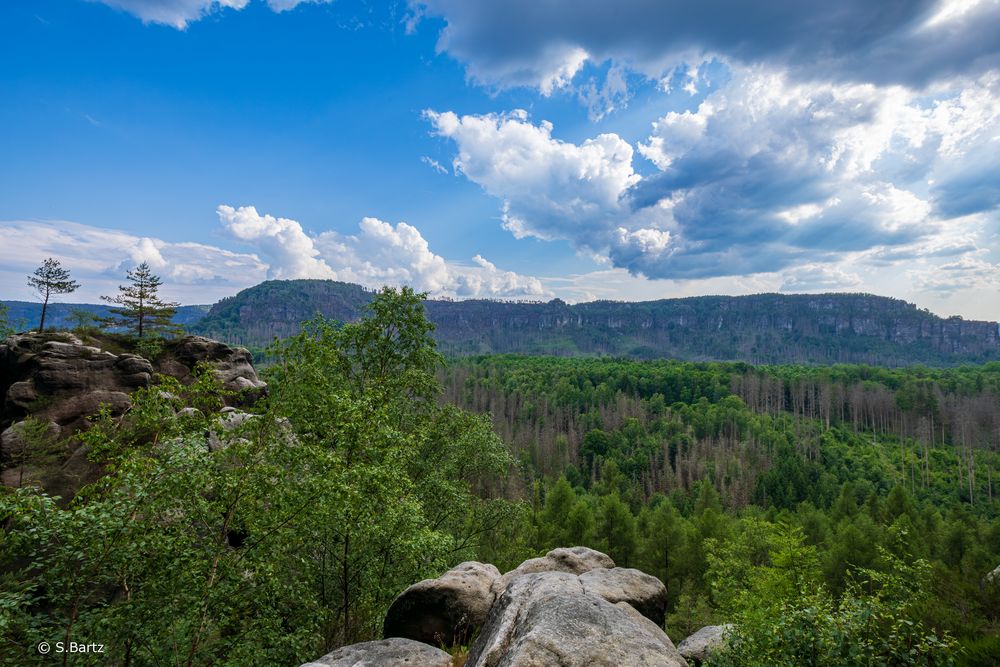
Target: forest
(836, 515)
(692, 470)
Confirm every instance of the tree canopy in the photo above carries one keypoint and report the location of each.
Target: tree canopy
(50, 279)
(140, 308)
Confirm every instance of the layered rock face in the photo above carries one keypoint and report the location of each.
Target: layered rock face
(60, 381)
(569, 608)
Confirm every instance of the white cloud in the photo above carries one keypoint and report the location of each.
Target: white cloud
(551, 189)
(290, 252)
(97, 258)
(819, 278)
(176, 13)
(179, 13)
(768, 173)
(966, 272)
(379, 254)
(433, 164)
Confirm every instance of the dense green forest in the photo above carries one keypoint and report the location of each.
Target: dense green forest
(702, 473)
(837, 515)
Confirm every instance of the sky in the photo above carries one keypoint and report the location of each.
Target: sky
(515, 149)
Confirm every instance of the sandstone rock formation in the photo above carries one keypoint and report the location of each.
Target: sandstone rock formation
(700, 645)
(549, 618)
(575, 560)
(60, 381)
(643, 592)
(385, 653)
(232, 365)
(447, 610)
(571, 607)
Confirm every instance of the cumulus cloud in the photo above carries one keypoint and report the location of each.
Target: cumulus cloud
(98, 258)
(289, 251)
(379, 254)
(766, 173)
(179, 13)
(526, 43)
(552, 189)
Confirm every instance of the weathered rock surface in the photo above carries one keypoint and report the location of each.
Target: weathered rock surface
(395, 652)
(644, 592)
(548, 619)
(575, 560)
(569, 608)
(700, 645)
(232, 365)
(58, 379)
(447, 610)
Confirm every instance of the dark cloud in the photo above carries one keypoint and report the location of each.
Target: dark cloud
(521, 42)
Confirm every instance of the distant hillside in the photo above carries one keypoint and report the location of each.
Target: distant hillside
(763, 328)
(24, 315)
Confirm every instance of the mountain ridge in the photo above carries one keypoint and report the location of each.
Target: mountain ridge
(761, 328)
(766, 328)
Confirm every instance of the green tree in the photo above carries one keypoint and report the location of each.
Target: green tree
(141, 310)
(616, 529)
(555, 516)
(5, 328)
(82, 319)
(266, 543)
(50, 279)
(662, 543)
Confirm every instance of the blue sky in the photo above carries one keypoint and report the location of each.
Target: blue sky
(513, 149)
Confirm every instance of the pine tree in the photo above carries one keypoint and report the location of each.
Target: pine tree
(50, 278)
(141, 310)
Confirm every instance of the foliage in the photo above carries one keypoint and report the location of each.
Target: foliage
(700, 455)
(5, 328)
(140, 309)
(50, 279)
(269, 542)
(83, 320)
(785, 617)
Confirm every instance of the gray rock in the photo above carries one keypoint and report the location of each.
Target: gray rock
(394, 652)
(700, 645)
(232, 365)
(575, 560)
(656, 631)
(56, 378)
(994, 576)
(644, 592)
(12, 442)
(229, 424)
(447, 610)
(547, 618)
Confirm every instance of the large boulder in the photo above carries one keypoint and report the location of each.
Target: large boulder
(642, 591)
(574, 560)
(447, 610)
(548, 618)
(394, 652)
(700, 645)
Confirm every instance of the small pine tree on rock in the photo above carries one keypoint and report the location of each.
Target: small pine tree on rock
(49, 279)
(140, 309)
